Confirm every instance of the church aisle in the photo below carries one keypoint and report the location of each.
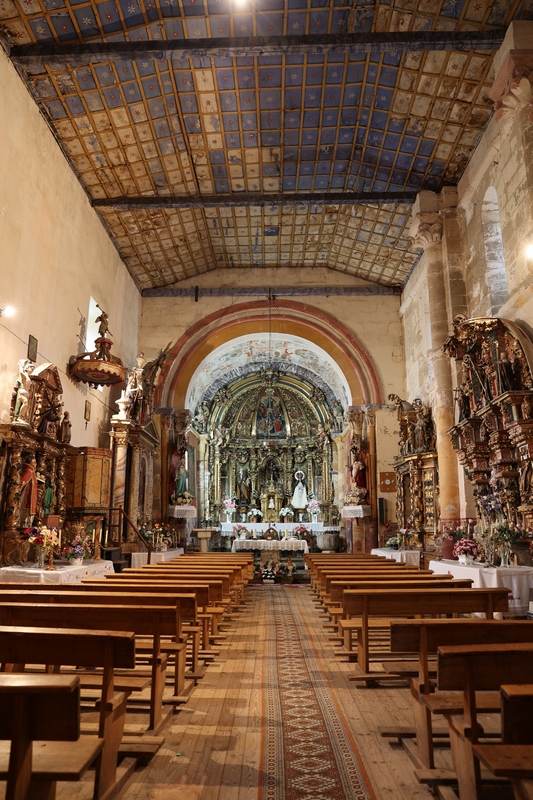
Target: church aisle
(217, 748)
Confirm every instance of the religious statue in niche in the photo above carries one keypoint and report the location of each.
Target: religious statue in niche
(244, 487)
(28, 493)
(299, 495)
(36, 400)
(417, 433)
(358, 488)
(201, 418)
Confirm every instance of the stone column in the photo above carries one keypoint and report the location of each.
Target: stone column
(149, 501)
(512, 91)
(165, 429)
(202, 490)
(426, 231)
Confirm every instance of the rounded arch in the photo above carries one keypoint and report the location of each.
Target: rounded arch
(283, 317)
(496, 271)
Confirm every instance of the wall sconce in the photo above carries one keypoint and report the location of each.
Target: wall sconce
(529, 251)
(7, 311)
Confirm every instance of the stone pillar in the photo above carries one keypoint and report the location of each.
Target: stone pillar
(512, 91)
(133, 489)
(149, 501)
(426, 231)
(337, 467)
(120, 437)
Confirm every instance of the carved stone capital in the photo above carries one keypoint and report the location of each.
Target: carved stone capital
(426, 229)
(517, 98)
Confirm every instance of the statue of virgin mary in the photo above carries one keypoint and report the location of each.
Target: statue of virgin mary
(299, 497)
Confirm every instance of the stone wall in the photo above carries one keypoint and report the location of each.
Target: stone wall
(54, 256)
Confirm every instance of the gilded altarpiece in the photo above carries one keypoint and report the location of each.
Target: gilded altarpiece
(263, 434)
(493, 436)
(416, 471)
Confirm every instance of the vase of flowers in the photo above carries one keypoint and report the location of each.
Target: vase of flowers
(229, 508)
(240, 531)
(79, 548)
(466, 550)
(507, 534)
(313, 507)
(285, 513)
(256, 514)
(270, 572)
(393, 542)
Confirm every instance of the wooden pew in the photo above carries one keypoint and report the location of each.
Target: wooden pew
(176, 601)
(318, 576)
(423, 637)
(472, 669)
(513, 759)
(45, 708)
(147, 621)
(103, 649)
(388, 603)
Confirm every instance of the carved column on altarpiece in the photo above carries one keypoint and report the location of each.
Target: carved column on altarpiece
(512, 92)
(120, 437)
(426, 231)
(370, 429)
(202, 490)
(149, 501)
(9, 537)
(166, 421)
(41, 470)
(133, 489)
(61, 487)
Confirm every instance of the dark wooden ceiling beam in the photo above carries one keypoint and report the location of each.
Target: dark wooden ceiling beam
(224, 47)
(248, 199)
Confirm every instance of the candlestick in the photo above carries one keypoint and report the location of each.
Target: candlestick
(255, 534)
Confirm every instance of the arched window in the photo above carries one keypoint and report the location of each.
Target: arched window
(494, 256)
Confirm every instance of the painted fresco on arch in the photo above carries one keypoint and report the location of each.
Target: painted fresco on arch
(245, 353)
(270, 416)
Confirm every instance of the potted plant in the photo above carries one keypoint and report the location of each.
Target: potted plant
(449, 538)
(466, 550)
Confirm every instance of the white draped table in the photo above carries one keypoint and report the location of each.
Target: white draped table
(62, 573)
(519, 580)
(140, 559)
(406, 556)
(270, 544)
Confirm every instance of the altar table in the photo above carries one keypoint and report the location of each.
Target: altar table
(140, 559)
(62, 573)
(519, 580)
(406, 556)
(270, 544)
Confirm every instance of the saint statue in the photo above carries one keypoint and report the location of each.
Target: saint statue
(22, 392)
(299, 496)
(181, 479)
(48, 496)
(358, 469)
(244, 487)
(65, 429)
(28, 492)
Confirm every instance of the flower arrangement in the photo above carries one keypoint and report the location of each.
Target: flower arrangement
(313, 506)
(238, 529)
(229, 505)
(393, 542)
(161, 534)
(508, 533)
(255, 512)
(270, 570)
(465, 547)
(286, 512)
(184, 499)
(79, 547)
(456, 533)
(33, 535)
(50, 537)
(300, 531)
(489, 504)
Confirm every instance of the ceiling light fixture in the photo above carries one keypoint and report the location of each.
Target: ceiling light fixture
(529, 251)
(7, 311)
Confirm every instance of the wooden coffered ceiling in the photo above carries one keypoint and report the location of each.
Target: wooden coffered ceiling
(251, 133)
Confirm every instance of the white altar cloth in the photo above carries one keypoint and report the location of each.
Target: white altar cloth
(281, 527)
(140, 559)
(519, 580)
(62, 574)
(273, 544)
(406, 556)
